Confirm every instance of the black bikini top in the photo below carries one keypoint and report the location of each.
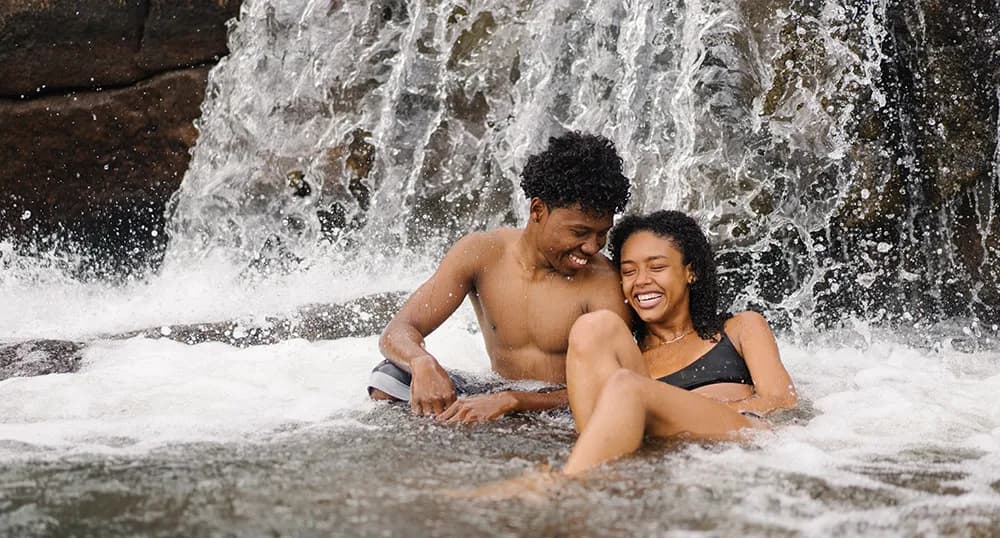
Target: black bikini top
(721, 364)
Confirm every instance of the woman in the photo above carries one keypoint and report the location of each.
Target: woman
(687, 370)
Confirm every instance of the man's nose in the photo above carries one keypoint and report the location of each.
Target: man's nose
(591, 246)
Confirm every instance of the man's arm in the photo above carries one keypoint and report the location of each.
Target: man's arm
(402, 341)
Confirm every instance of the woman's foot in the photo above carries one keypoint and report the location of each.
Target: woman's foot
(533, 487)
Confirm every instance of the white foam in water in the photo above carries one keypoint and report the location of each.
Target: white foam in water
(134, 395)
(42, 302)
(885, 409)
(880, 400)
(881, 406)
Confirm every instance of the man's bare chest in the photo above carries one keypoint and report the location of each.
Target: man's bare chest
(523, 312)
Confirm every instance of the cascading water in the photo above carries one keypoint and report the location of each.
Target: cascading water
(344, 145)
(392, 123)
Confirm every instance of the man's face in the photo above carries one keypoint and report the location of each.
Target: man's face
(570, 236)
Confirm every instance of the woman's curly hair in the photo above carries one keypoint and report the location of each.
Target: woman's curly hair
(688, 237)
(577, 169)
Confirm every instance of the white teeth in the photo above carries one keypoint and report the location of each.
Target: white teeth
(578, 261)
(647, 296)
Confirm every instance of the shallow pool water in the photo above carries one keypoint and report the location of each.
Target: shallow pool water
(155, 437)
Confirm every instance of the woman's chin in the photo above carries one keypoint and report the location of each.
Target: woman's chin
(649, 317)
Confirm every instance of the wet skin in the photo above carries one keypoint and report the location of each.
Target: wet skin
(528, 286)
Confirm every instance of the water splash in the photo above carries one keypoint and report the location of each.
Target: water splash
(345, 128)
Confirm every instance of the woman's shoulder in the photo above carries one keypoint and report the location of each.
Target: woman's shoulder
(742, 323)
(746, 318)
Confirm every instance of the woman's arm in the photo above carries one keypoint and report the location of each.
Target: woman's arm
(753, 339)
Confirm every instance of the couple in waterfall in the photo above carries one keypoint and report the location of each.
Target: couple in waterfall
(637, 340)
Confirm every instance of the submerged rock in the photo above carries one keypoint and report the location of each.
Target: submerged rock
(39, 357)
(365, 316)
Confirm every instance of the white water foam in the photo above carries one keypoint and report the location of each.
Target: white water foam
(132, 396)
(884, 410)
(39, 301)
(138, 394)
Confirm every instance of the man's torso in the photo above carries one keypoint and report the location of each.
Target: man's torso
(526, 318)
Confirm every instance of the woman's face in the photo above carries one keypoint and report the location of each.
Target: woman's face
(654, 277)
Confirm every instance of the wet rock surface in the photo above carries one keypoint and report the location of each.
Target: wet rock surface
(50, 47)
(100, 165)
(365, 316)
(97, 105)
(39, 357)
(361, 317)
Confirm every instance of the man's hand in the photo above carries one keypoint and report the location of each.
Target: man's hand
(480, 408)
(431, 390)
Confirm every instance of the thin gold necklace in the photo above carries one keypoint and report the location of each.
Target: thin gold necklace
(676, 339)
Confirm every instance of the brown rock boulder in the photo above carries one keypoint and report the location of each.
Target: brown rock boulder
(97, 105)
(101, 164)
(46, 46)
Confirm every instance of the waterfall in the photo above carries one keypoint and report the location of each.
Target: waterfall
(788, 129)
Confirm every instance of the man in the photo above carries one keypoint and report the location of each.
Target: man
(527, 287)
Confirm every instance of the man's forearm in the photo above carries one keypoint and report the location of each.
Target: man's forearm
(401, 345)
(540, 401)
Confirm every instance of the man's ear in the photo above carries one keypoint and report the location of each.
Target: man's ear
(538, 210)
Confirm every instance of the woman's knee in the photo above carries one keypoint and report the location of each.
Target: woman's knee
(623, 383)
(595, 330)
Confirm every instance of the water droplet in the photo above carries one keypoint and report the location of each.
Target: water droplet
(26, 215)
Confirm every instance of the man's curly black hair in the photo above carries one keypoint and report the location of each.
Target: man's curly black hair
(688, 237)
(577, 169)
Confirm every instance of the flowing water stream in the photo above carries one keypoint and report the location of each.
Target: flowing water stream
(344, 144)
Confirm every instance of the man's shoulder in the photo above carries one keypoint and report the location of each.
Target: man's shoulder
(496, 239)
(601, 270)
(477, 250)
(604, 289)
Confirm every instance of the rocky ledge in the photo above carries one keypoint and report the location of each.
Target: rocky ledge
(97, 104)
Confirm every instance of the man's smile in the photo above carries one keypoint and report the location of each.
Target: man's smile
(578, 261)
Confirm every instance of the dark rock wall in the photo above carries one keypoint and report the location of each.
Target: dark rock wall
(946, 62)
(97, 104)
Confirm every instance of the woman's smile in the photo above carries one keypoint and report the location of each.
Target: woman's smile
(647, 300)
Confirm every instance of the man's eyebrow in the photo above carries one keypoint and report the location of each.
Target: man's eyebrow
(582, 226)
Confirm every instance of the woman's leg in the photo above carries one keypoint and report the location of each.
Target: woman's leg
(600, 343)
(633, 405)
